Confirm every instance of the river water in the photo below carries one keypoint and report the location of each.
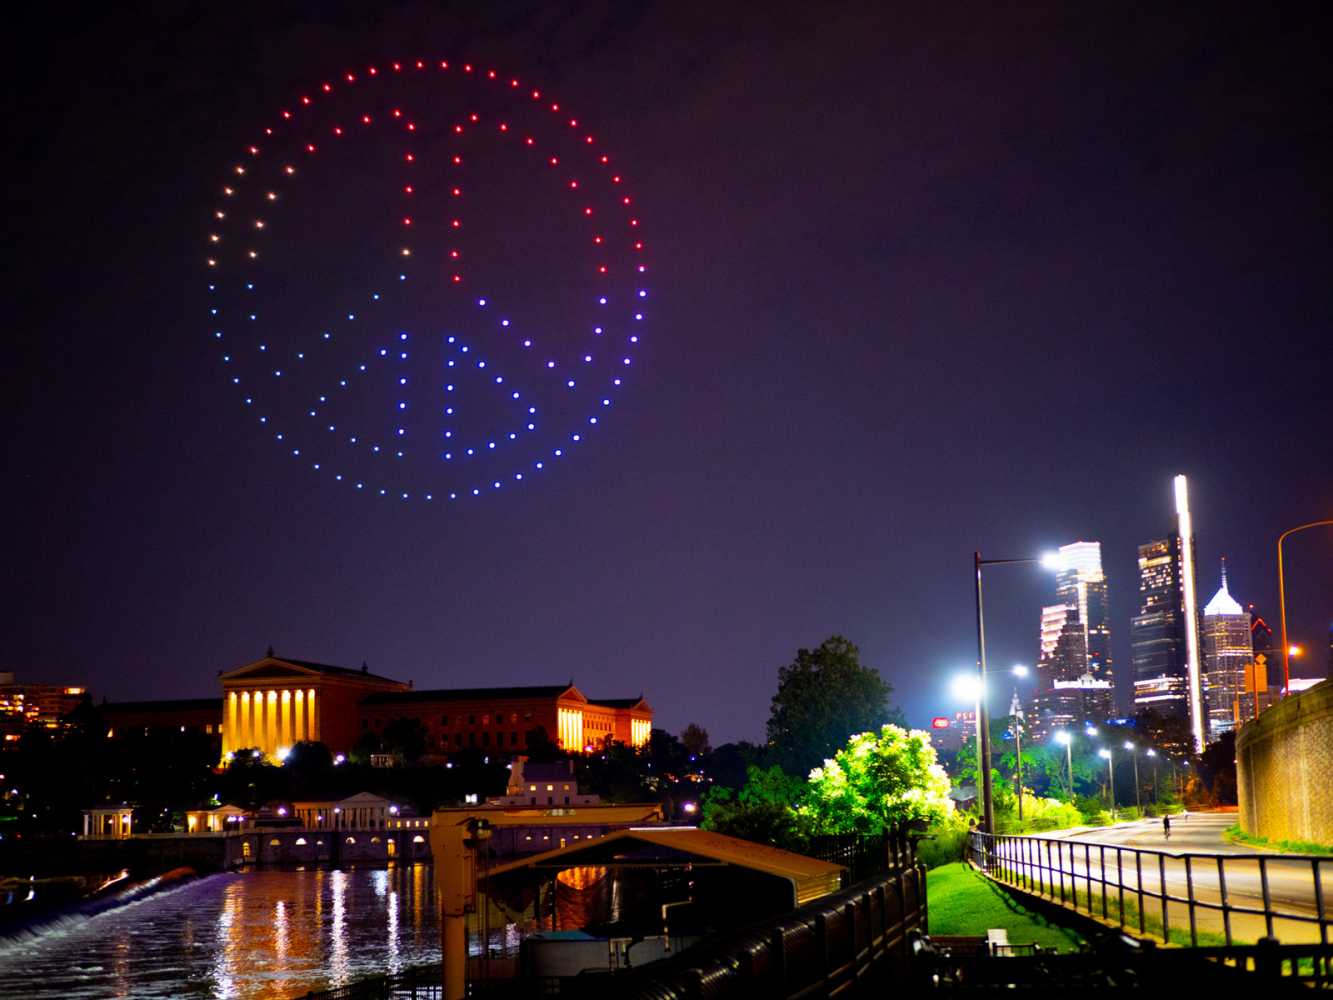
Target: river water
(272, 934)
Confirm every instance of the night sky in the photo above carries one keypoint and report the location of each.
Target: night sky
(922, 283)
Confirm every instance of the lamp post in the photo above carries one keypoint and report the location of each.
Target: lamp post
(1138, 797)
(983, 714)
(1281, 599)
(1110, 778)
(1061, 736)
(1150, 752)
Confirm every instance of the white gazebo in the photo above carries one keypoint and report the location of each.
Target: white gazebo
(108, 822)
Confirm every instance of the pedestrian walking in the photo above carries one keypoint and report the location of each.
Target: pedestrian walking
(1166, 827)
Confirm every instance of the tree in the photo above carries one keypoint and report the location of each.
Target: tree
(540, 747)
(824, 696)
(879, 780)
(764, 811)
(309, 767)
(695, 740)
(729, 764)
(406, 736)
(1217, 771)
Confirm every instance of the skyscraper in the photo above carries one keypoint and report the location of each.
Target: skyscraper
(1227, 649)
(1164, 635)
(1157, 632)
(1081, 585)
(1075, 683)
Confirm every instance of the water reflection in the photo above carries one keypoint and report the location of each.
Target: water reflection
(260, 934)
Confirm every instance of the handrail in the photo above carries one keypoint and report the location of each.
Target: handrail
(1026, 862)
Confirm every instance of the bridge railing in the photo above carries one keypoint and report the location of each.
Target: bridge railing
(1140, 887)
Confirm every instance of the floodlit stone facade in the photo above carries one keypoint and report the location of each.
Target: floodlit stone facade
(1284, 769)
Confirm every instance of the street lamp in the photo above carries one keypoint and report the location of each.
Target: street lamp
(1138, 798)
(1281, 600)
(1047, 561)
(1150, 752)
(1062, 736)
(1091, 730)
(1110, 777)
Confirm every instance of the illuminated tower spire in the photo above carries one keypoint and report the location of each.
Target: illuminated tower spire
(1186, 532)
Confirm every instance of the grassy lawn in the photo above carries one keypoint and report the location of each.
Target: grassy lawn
(967, 904)
(1078, 898)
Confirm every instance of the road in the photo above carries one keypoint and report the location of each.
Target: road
(1195, 858)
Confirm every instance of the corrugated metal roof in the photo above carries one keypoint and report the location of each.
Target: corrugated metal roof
(553, 816)
(811, 877)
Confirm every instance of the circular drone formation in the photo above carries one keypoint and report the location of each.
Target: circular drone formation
(427, 280)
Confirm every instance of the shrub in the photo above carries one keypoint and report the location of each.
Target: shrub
(945, 841)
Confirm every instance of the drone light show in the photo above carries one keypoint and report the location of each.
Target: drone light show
(427, 280)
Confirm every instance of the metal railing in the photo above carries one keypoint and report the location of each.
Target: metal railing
(1125, 965)
(418, 982)
(1140, 887)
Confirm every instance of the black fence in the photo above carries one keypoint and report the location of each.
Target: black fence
(853, 943)
(1122, 963)
(1138, 888)
(420, 982)
(864, 857)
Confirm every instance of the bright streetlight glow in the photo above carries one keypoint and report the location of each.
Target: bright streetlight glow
(1150, 752)
(1062, 737)
(1129, 745)
(1020, 670)
(966, 687)
(1295, 650)
(1091, 730)
(1103, 752)
(1052, 561)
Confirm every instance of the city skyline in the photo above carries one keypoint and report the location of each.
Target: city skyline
(895, 320)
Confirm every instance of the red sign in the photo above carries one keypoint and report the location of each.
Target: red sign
(939, 722)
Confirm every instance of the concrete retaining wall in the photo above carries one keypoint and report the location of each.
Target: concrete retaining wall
(1284, 769)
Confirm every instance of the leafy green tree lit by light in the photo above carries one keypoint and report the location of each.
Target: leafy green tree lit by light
(824, 696)
(880, 780)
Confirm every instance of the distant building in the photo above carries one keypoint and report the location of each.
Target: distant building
(179, 715)
(1157, 632)
(1081, 585)
(1268, 671)
(1075, 646)
(1164, 635)
(503, 718)
(275, 702)
(1227, 651)
(549, 784)
(952, 738)
(27, 705)
(1068, 693)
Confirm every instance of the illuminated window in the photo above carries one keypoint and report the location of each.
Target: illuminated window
(418, 839)
(275, 842)
(300, 842)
